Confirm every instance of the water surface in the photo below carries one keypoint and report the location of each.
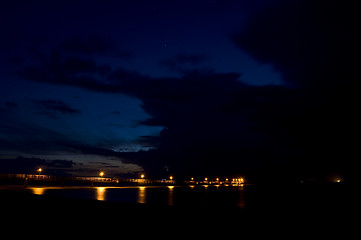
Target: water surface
(163, 195)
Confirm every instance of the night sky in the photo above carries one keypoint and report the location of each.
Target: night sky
(262, 88)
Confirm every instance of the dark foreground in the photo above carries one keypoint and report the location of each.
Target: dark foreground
(303, 210)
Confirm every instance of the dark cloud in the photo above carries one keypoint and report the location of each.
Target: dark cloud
(212, 118)
(183, 63)
(74, 61)
(88, 45)
(149, 141)
(88, 149)
(74, 65)
(8, 106)
(115, 112)
(214, 124)
(52, 107)
(94, 45)
(314, 44)
(310, 42)
(83, 73)
(29, 165)
(25, 137)
(116, 125)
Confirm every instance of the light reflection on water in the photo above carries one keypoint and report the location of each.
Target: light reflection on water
(241, 202)
(100, 193)
(169, 195)
(141, 195)
(38, 190)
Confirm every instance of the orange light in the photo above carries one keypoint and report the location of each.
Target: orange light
(38, 191)
(100, 193)
(142, 176)
(171, 177)
(101, 174)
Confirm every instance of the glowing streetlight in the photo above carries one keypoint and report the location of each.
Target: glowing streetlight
(101, 174)
(142, 176)
(205, 179)
(192, 179)
(39, 170)
(171, 177)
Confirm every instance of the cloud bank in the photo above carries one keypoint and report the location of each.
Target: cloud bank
(212, 122)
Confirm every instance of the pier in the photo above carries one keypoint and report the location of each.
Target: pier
(43, 179)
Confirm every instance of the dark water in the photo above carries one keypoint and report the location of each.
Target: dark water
(327, 197)
(253, 208)
(160, 195)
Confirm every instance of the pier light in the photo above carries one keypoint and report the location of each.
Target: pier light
(171, 177)
(101, 174)
(192, 179)
(39, 170)
(142, 176)
(217, 179)
(205, 179)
